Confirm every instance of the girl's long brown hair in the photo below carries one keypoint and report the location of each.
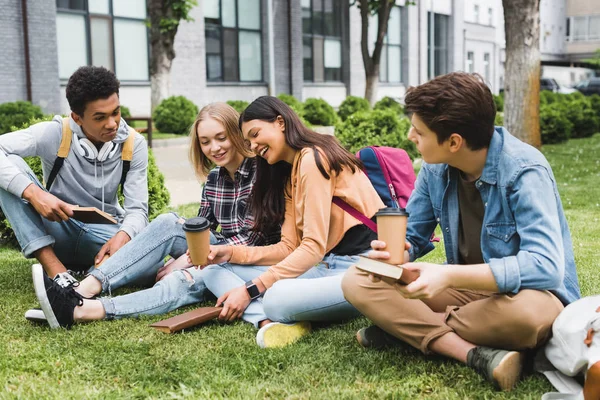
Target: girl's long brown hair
(268, 202)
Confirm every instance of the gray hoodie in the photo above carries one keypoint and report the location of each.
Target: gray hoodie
(81, 181)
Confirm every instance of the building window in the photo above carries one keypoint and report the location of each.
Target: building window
(107, 33)
(584, 28)
(390, 64)
(476, 13)
(437, 61)
(322, 40)
(232, 29)
(486, 67)
(490, 16)
(470, 66)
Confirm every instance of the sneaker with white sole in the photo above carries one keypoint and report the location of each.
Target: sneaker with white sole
(277, 334)
(501, 367)
(65, 279)
(36, 315)
(58, 303)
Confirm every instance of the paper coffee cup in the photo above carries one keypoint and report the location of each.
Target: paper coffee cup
(197, 234)
(391, 228)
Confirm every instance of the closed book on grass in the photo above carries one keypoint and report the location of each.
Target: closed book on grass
(92, 215)
(187, 320)
(386, 270)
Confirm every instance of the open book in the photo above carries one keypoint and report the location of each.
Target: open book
(394, 272)
(91, 215)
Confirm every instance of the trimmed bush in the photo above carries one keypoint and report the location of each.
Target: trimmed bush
(499, 120)
(175, 115)
(158, 195)
(17, 114)
(388, 103)
(375, 128)
(499, 101)
(125, 113)
(291, 101)
(555, 127)
(319, 112)
(580, 113)
(595, 103)
(238, 105)
(351, 105)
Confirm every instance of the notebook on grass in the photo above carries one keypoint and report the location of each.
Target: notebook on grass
(187, 320)
(92, 215)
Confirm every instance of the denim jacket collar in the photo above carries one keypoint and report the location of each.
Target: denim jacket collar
(490, 170)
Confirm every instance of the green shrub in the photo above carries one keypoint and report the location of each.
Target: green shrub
(499, 119)
(375, 128)
(238, 105)
(388, 103)
(319, 112)
(499, 101)
(580, 113)
(548, 97)
(555, 127)
(17, 114)
(595, 103)
(351, 105)
(125, 113)
(175, 115)
(293, 102)
(158, 195)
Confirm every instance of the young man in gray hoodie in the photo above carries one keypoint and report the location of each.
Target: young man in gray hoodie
(90, 177)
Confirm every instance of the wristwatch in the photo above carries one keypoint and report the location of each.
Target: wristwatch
(252, 290)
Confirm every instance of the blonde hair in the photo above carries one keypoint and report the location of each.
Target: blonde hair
(229, 118)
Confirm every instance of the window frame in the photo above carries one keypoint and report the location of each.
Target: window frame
(237, 31)
(385, 49)
(337, 4)
(110, 17)
(571, 28)
(432, 43)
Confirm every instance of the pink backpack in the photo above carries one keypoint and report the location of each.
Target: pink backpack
(391, 172)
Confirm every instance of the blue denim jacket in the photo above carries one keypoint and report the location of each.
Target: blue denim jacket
(524, 238)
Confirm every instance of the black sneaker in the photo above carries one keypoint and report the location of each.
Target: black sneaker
(376, 338)
(500, 367)
(65, 279)
(58, 302)
(36, 315)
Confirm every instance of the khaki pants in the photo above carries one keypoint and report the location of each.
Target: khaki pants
(507, 321)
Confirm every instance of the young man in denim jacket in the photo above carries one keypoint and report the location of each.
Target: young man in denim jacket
(510, 268)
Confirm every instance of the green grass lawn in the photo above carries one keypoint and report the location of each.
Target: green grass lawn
(127, 359)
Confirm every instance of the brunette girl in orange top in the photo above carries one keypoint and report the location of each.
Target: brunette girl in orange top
(298, 173)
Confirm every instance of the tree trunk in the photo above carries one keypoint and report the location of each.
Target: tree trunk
(372, 86)
(522, 75)
(160, 78)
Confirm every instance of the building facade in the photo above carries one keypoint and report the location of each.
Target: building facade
(242, 49)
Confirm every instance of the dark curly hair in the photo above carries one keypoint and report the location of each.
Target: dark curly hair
(89, 84)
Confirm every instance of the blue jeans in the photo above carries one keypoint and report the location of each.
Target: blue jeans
(315, 295)
(139, 261)
(75, 243)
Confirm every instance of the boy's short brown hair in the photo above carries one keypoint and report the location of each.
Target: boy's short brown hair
(458, 102)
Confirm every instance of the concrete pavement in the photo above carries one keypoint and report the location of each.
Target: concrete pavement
(172, 159)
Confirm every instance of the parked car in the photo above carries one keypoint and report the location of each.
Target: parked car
(589, 87)
(553, 86)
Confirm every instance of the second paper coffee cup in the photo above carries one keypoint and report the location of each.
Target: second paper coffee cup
(197, 234)
(391, 228)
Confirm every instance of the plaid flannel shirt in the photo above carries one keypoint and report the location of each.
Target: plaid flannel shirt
(225, 202)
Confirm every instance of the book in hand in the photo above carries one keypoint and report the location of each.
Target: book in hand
(91, 215)
(386, 270)
(187, 320)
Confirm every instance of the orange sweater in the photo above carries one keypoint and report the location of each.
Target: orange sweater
(313, 225)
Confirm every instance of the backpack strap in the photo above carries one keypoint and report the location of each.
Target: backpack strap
(63, 152)
(355, 213)
(127, 155)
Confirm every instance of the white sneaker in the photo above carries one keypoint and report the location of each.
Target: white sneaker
(65, 279)
(36, 315)
(277, 334)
